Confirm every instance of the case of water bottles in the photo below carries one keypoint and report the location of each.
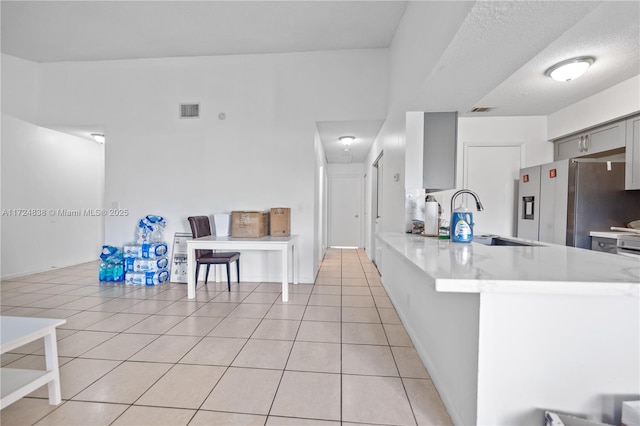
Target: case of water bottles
(143, 261)
(147, 277)
(111, 264)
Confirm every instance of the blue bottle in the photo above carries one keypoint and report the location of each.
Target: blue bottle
(461, 225)
(102, 275)
(118, 272)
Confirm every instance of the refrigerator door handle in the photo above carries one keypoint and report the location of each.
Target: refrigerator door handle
(587, 143)
(580, 144)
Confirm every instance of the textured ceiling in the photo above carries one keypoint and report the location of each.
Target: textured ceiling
(610, 33)
(499, 56)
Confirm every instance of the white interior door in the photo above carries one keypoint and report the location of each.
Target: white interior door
(493, 173)
(345, 211)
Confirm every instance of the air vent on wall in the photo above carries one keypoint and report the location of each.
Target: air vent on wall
(189, 110)
(481, 109)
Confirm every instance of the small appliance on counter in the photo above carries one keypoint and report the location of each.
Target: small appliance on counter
(432, 212)
(413, 209)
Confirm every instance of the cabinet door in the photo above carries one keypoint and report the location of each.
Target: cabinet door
(439, 151)
(632, 171)
(569, 147)
(594, 141)
(605, 138)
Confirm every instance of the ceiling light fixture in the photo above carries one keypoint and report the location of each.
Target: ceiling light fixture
(98, 137)
(570, 69)
(346, 140)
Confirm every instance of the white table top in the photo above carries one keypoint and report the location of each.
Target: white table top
(549, 268)
(17, 331)
(235, 240)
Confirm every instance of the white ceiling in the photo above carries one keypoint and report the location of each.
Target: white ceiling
(97, 30)
(497, 57)
(364, 131)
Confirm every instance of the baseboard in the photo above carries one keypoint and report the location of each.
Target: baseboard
(39, 271)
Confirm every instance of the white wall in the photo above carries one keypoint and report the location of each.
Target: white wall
(20, 86)
(49, 172)
(527, 132)
(262, 155)
(414, 52)
(530, 132)
(350, 169)
(614, 102)
(319, 227)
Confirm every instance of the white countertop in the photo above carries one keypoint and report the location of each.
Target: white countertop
(609, 234)
(548, 268)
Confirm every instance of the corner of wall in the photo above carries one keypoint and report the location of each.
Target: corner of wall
(612, 103)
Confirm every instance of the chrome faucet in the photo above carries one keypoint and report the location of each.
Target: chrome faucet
(466, 191)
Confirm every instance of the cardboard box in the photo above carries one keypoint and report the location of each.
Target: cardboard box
(249, 224)
(280, 222)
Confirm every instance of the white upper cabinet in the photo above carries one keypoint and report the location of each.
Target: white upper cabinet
(431, 148)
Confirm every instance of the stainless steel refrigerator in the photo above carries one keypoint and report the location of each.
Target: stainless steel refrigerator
(563, 201)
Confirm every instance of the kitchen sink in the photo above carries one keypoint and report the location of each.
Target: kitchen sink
(495, 240)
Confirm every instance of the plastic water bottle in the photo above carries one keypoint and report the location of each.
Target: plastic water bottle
(102, 275)
(118, 272)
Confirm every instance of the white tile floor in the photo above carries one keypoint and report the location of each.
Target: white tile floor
(335, 353)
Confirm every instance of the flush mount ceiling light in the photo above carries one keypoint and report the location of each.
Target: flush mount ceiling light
(98, 137)
(346, 140)
(570, 69)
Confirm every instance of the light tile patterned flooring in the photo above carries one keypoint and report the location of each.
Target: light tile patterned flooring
(335, 353)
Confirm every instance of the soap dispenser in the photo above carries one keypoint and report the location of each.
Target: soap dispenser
(461, 226)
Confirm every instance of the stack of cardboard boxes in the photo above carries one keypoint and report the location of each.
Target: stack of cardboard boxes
(256, 224)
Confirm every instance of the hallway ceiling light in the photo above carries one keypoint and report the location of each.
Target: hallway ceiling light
(347, 140)
(570, 69)
(98, 137)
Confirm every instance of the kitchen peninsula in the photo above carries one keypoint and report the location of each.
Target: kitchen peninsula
(509, 331)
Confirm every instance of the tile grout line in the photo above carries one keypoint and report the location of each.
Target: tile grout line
(344, 263)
